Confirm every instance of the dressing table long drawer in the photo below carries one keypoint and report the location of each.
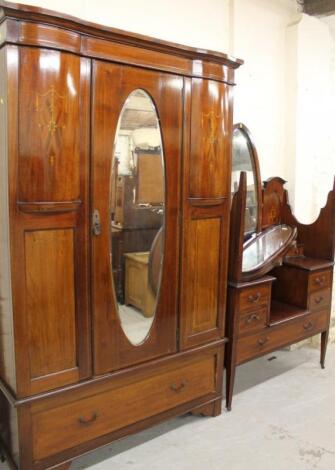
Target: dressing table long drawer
(77, 422)
(273, 338)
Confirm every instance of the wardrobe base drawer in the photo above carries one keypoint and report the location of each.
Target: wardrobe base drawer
(77, 422)
(272, 338)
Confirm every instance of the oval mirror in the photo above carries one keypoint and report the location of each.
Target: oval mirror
(244, 158)
(137, 215)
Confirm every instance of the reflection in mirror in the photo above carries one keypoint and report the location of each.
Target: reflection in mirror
(137, 215)
(243, 159)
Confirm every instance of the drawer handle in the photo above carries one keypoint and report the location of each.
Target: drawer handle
(253, 299)
(178, 388)
(263, 341)
(318, 300)
(319, 281)
(86, 422)
(309, 325)
(253, 317)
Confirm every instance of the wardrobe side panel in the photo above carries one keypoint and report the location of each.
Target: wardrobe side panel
(7, 355)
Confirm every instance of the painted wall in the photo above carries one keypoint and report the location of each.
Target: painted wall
(313, 105)
(259, 37)
(196, 23)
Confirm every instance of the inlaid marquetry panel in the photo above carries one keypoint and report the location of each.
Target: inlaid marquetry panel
(50, 301)
(204, 271)
(210, 146)
(201, 278)
(49, 126)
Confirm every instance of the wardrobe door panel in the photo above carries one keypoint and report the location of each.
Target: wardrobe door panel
(49, 214)
(49, 137)
(50, 301)
(207, 161)
(124, 245)
(202, 270)
(209, 144)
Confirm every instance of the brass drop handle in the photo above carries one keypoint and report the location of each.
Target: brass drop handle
(318, 300)
(263, 341)
(319, 281)
(96, 223)
(308, 326)
(254, 298)
(178, 388)
(253, 317)
(86, 422)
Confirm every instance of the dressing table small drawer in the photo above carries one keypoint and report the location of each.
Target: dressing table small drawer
(319, 299)
(253, 297)
(320, 280)
(253, 321)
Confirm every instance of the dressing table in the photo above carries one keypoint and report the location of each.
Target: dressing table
(280, 271)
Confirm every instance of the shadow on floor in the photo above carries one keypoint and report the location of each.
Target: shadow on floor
(121, 446)
(270, 366)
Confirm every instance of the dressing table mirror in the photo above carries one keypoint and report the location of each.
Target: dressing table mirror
(280, 271)
(254, 251)
(245, 158)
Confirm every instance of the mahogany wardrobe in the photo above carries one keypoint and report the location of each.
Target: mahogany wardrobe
(115, 154)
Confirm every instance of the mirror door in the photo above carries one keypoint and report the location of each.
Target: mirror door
(137, 124)
(137, 207)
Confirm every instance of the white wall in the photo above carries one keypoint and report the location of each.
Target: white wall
(314, 82)
(259, 37)
(196, 23)
(285, 94)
